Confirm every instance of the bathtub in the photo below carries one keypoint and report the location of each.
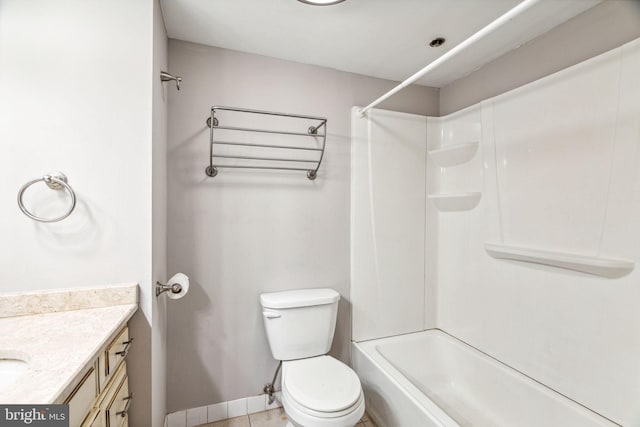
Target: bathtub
(431, 379)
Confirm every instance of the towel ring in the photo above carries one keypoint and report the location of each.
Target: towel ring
(55, 181)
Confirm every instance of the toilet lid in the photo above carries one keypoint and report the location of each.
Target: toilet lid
(322, 384)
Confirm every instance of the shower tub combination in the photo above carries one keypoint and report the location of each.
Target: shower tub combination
(431, 379)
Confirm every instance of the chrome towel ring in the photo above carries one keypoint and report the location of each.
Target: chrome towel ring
(55, 181)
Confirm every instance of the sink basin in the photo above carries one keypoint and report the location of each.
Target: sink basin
(10, 370)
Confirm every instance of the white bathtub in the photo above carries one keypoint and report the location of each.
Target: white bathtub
(431, 379)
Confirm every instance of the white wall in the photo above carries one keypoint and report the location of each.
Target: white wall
(558, 171)
(387, 223)
(77, 97)
(455, 186)
(243, 233)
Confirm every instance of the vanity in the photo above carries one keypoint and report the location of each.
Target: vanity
(69, 347)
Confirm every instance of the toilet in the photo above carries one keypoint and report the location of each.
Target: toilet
(317, 390)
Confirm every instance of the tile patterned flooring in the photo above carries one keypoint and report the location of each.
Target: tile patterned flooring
(271, 418)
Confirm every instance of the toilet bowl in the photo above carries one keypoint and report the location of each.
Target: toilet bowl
(317, 390)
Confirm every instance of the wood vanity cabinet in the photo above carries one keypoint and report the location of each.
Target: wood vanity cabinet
(102, 397)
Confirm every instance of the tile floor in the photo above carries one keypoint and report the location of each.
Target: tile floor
(271, 418)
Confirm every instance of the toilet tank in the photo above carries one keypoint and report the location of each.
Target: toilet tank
(300, 323)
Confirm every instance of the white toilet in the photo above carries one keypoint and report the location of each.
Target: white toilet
(317, 390)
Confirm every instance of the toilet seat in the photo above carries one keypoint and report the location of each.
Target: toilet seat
(321, 384)
(321, 392)
(295, 410)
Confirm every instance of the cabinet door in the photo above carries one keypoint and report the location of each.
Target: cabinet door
(118, 407)
(95, 418)
(113, 356)
(82, 397)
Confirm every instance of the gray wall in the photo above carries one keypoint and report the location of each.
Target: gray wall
(243, 233)
(158, 368)
(602, 28)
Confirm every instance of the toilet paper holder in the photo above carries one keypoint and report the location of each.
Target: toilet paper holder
(175, 288)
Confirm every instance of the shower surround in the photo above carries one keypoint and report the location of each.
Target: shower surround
(550, 167)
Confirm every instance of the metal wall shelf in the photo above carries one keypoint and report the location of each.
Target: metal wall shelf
(234, 153)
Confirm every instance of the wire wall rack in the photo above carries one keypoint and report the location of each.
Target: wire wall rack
(283, 141)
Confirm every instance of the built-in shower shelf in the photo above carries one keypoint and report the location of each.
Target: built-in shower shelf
(455, 154)
(449, 202)
(605, 267)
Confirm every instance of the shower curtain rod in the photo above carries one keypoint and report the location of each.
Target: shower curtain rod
(521, 7)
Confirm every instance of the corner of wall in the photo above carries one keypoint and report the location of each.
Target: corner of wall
(593, 32)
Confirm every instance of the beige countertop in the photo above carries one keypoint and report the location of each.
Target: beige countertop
(59, 346)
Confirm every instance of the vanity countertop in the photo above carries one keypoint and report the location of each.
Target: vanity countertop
(59, 348)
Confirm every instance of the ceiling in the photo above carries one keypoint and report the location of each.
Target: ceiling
(380, 38)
